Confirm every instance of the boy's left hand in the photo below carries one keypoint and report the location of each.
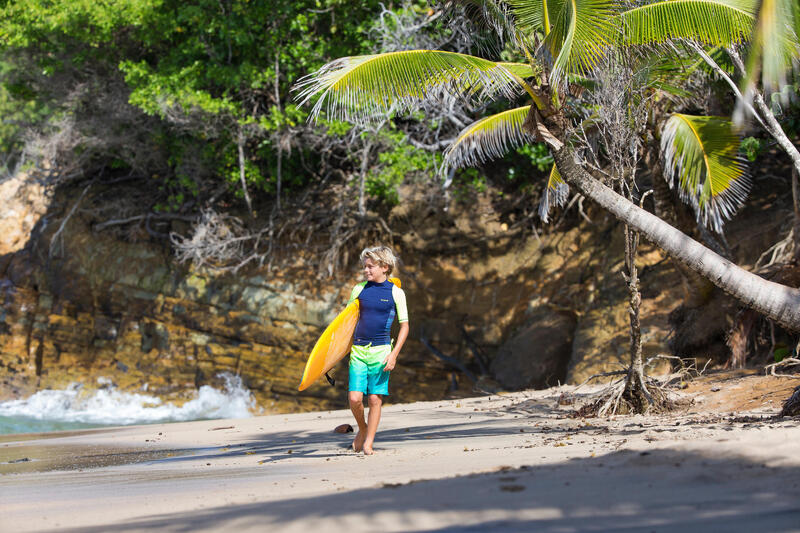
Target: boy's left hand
(390, 361)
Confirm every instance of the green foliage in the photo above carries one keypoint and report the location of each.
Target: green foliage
(538, 154)
(349, 87)
(703, 161)
(488, 138)
(468, 182)
(336, 128)
(16, 113)
(718, 23)
(398, 162)
(781, 352)
(751, 147)
(211, 70)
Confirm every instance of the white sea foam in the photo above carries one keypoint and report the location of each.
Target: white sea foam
(110, 406)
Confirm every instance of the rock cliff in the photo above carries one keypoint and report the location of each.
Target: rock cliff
(514, 305)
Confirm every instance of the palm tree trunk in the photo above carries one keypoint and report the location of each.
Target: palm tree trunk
(796, 204)
(777, 302)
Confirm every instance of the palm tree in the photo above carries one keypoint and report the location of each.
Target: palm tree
(560, 38)
(774, 48)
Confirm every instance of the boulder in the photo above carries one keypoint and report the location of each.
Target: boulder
(537, 354)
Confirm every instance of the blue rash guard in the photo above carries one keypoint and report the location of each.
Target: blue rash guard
(378, 305)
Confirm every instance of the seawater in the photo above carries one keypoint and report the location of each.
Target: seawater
(76, 408)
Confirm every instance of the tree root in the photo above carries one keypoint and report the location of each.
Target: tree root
(791, 407)
(787, 362)
(616, 399)
(652, 396)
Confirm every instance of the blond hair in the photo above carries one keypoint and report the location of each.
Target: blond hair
(383, 255)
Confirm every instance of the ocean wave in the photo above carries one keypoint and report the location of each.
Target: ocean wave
(110, 406)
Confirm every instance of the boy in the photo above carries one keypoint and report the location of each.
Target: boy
(372, 356)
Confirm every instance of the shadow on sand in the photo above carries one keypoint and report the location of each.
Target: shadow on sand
(661, 490)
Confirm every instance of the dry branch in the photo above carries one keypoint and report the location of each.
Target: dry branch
(784, 363)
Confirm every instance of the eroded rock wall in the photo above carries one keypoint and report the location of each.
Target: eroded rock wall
(531, 307)
(90, 305)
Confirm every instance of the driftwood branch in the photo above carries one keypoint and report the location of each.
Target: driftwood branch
(480, 357)
(784, 363)
(57, 236)
(452, 361)
(151, 216)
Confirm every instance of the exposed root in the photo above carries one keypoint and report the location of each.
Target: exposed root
(58, 238)
(791, 407)
(687, 370)
(654, 395)
(621, 397)
(784, 363)
(778, 254)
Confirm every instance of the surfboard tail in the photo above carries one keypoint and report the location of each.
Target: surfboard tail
(332, 346)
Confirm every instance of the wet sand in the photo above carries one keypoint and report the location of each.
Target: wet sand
(510, 462)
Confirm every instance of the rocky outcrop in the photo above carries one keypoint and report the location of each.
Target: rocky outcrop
(96, 305)
(24, 202)
(537, 354)
(542, 307)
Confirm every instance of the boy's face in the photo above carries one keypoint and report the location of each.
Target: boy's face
(374, 271)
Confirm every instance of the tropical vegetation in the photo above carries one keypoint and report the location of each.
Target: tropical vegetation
(564, 43)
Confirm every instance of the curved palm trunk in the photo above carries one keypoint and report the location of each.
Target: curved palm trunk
(796, 206)
(778, 302)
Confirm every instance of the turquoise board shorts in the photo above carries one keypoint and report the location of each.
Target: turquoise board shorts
(366, 369)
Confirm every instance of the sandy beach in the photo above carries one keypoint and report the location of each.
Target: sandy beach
(509, 462)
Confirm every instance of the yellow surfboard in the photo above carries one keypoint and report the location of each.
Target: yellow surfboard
(333, 344)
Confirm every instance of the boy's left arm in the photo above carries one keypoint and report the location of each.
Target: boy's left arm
(391, 359)
(402, 316)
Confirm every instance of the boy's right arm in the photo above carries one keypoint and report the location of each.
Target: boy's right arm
(356, 291)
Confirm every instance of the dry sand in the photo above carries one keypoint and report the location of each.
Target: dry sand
(511, 462)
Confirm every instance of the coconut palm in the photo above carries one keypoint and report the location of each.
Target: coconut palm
(560, 38)
(772, 31)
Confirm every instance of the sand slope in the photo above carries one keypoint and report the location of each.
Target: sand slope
(505, 462)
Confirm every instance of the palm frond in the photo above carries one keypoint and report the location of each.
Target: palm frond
(701, 158)
(583, 32)
(491, 15)
(775, 45)
(364, 89)
(555, 194)
(489, 138)
(536, 15)
(720, 56)
(523, 70)
(668, 70)
(714, 22)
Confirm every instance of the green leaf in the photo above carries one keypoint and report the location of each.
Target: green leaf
(714, 22)
(537, 15)
(487, 139)
(523, 70)
(780, 353)
(555, 193)
(775, 44)
(364, 89)
(581, 35)
(702, 159)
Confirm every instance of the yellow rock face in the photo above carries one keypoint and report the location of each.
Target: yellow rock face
(104, 307)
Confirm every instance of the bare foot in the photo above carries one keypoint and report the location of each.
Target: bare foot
(368, 449)
(358, 442)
